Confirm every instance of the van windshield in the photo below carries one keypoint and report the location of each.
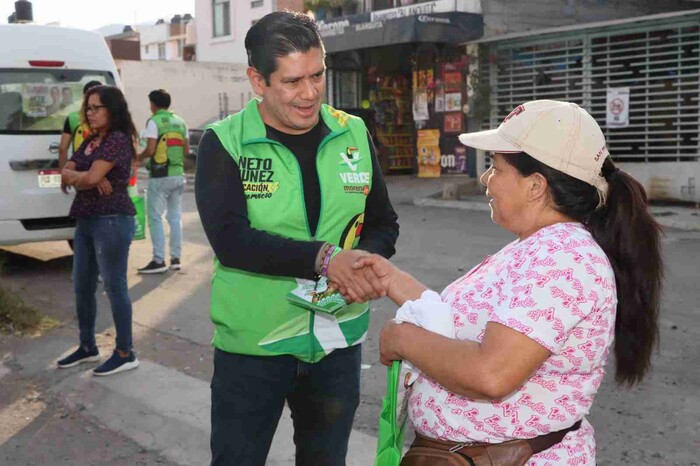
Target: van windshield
(37, 101)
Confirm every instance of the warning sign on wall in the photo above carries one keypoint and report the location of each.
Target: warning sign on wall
(618, 111)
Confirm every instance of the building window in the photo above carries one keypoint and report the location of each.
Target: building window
(222, 18)
(256, 3)
(180, 47)
(146, 49)
(161, 51)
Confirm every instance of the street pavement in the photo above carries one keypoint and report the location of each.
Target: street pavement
(159, 413)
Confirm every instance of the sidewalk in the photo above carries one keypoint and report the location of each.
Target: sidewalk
(684, 218)
(680, 218)
(161, 409)
(426, 192)
(167, 411)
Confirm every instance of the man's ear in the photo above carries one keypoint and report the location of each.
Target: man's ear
(538, 187)
(257, 81)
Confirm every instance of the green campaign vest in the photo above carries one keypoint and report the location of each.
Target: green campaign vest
(168, 160)
(79, 131)
(250, 311)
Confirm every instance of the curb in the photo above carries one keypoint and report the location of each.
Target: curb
(677, 224)
(462, 205)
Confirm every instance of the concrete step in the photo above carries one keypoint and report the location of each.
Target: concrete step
(168, 412)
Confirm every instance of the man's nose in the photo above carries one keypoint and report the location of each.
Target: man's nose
(308, 90)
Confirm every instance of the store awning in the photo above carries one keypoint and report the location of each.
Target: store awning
(367, 30)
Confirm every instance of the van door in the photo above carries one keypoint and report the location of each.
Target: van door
(34, 104)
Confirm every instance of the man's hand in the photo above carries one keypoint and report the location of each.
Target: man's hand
(357, 285)
(104, 187)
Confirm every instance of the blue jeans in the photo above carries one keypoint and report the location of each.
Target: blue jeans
(165, 193)
(101, 245)
(248, 394)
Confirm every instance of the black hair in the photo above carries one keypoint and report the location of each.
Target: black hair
(90, 85)
(630, 237)
(279, 34)
(160, 98)
(119, 116)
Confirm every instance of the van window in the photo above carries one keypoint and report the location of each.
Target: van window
(37, 101)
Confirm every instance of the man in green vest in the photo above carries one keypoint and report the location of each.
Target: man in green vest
(288, 190)
(167, 142)
(74, 131)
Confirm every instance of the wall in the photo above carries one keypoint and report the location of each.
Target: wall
(125, 49)
(151, 36)
(232, 48)
(229, 48)
(509, 16)
(292, 5)
(667, 180)
(191, 33)
(194, 87)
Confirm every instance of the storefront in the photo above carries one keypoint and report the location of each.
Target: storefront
(402, 70)
(639, 78)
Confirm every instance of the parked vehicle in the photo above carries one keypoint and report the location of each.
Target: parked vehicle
(42, 73)
(195, 136)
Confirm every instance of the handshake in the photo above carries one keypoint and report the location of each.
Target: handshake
(361, 276)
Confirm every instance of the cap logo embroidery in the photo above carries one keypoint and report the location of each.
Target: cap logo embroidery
(600, 153)
(517, 111)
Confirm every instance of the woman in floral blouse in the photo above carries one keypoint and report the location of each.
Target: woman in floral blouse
(512, 382)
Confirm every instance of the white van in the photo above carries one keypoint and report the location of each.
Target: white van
(42, 73)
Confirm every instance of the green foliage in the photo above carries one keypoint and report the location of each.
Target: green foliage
(482, 102)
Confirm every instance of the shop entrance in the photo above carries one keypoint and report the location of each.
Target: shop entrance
(413, 99)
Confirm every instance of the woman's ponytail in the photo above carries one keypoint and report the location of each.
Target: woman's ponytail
(630, 237)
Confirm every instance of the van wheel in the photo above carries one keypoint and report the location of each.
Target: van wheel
(70, 243)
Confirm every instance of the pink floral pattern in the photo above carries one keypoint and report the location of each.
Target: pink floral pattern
(558, 288)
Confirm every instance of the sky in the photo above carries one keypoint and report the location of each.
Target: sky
(93, 14)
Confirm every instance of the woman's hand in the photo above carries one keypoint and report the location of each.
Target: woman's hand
(68, 177)
(104, 187)
(398, 285)
(357, 286)
(390, 342)
(377, 269)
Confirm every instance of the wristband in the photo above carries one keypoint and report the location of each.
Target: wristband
(331, 252)
(319, 259)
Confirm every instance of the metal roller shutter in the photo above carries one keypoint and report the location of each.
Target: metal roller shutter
(659, 62)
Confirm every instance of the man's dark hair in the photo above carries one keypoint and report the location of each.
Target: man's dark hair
(90, 85)
(160, 98)
(280, 34)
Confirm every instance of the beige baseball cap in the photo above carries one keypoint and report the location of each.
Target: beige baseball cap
(561, 135)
